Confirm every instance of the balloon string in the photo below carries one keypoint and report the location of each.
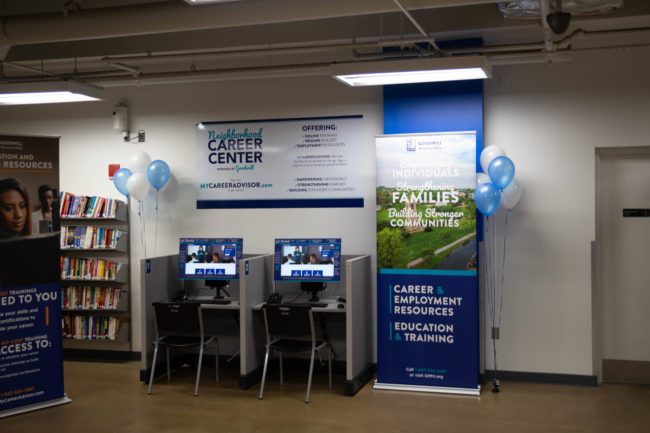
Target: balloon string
(503, 266)
(142, 228)
(155, 238)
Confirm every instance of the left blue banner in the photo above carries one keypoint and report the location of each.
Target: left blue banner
(31, 370)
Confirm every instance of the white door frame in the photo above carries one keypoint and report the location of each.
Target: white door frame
(597, 289)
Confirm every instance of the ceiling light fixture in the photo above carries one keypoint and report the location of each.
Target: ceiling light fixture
(48, 92)
(412, 71)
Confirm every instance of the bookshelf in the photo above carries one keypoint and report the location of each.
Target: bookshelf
(95, 292)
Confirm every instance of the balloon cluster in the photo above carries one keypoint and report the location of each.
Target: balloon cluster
(140, 175)
(498, 186)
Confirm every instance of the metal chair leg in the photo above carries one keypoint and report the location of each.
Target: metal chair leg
(311, 373)
(329, 360)
(198, 372)
(266, 364)
(216, 360)
(169, 375)
(281, 370)
(153, 368)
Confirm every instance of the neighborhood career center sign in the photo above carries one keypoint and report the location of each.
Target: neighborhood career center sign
(283, 163)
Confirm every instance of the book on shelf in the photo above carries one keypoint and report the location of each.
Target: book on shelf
(89, 237)
(81, 206)
(91, 327)
(81, 268)
(90, 298)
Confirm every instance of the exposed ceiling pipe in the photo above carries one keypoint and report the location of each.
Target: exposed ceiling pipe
(418, 26)
(5, 44)
(544, 10)
(30, 69)
(117, 79)
(134, 70)
(295, 49)
(176, 16)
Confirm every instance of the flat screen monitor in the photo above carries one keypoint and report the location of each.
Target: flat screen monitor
(307, 260)
(209, 258)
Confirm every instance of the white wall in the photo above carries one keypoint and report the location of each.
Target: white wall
(549, 119)
(168, 115)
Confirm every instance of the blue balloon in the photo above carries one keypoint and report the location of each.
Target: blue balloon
(487, 198)
(501, 171)
(158, 174)
(120, 177)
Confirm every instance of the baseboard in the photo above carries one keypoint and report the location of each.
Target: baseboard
(621, 371)
(100, 355)
(531, 377)
(353, 386)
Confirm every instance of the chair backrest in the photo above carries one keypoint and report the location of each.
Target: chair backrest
(289, 321)
(176, 318)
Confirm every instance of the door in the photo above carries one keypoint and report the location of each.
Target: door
(623, 263)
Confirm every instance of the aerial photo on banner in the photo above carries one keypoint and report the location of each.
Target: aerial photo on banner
(426, 216)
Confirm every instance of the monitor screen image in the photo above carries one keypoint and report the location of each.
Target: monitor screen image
(307, 260)
(209, 258)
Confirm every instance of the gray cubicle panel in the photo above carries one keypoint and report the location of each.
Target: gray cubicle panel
(360, 367)
(256, 282)
(158, 282)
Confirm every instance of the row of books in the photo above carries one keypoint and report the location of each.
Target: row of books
(78, 268)
(89, 237)
(90, 327)
(88, 298)
(87, 206)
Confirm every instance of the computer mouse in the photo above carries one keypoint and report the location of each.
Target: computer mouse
(340, 306)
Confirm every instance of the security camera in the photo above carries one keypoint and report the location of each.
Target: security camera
(559, 21)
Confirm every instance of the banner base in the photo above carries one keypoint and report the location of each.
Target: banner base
(36, 406)
(437, 389)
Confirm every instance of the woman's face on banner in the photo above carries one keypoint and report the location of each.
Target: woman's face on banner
(13, 211)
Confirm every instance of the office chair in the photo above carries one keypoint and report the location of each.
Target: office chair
(291, 329)
(180, 326)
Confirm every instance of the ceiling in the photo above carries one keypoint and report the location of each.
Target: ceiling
(127, 42)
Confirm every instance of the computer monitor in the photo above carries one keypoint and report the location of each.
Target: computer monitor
(215, 260)
(311, 262)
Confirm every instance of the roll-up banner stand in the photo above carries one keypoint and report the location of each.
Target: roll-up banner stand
(31, 361)
(427, 283)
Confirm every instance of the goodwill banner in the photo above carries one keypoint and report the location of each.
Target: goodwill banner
(31, 361)
(427, 285)
(30, 345)
(284, 163)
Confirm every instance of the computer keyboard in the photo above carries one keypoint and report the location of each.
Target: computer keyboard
(305, 304)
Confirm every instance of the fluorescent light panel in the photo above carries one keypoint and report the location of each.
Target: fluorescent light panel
(412, 71)
(49, 92)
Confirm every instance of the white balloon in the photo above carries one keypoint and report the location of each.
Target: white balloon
(138, 186)
(139, 162)
(488, 154)
(511, 194)
(482, 178)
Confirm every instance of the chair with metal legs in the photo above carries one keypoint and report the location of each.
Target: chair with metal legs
(180, 326)
(290, 329)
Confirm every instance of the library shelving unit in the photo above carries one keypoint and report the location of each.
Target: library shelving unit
(95, 292)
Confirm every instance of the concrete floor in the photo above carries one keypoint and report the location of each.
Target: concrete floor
(107, 397)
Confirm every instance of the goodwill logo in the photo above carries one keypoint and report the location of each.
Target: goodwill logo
(235, 147)
(410, 145)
